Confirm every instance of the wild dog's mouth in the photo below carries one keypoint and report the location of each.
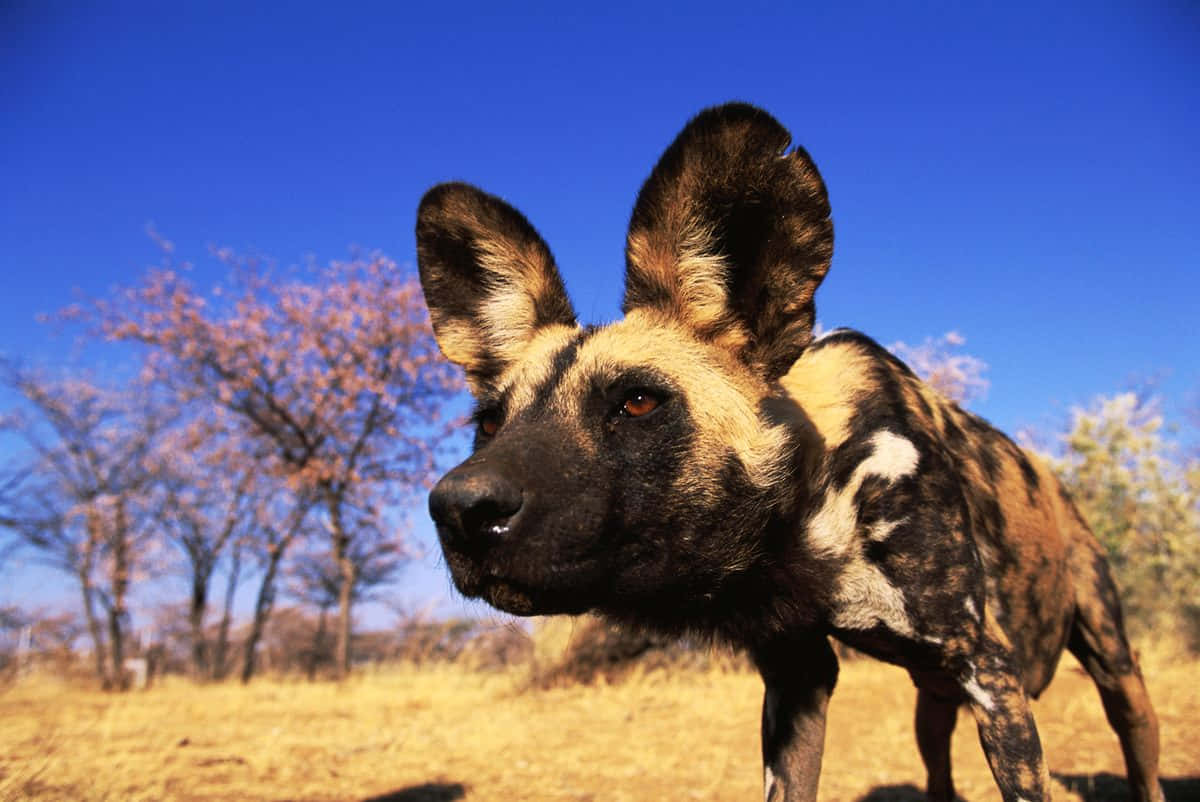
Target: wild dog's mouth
(511, 598)
(561, 587)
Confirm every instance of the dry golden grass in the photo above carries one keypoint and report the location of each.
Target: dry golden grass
(439, 734)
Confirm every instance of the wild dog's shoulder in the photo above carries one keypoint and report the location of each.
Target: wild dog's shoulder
(886, 514)
(851, 387)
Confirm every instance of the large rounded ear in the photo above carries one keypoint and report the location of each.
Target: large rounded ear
(489, 280)
(731, 235)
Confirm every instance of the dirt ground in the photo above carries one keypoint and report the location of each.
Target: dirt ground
(446, 733)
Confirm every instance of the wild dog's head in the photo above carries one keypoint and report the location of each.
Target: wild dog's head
(633, 464)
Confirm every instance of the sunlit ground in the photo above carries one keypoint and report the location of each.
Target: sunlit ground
(437, 734)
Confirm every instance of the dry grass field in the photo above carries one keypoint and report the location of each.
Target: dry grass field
(446, 733)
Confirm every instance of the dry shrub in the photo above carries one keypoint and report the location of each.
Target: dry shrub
(472, 643)
(497, 647)
(50, 650)
(586, 649)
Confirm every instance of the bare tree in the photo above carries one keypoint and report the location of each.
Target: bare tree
(281, 522)
(210, 479)
(315, 580)
(87, 500)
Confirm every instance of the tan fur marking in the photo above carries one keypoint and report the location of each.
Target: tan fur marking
(682, 263)
(866, 598)
(508, 315)
(522, 377)
(911, 391)
(937, 404)
(460, 342)
(824, 381)
(1034, 543)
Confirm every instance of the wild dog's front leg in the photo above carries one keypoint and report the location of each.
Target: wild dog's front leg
(935, 719)
(799, 677)
(1006, 729)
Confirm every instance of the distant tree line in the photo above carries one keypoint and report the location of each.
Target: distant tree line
(273, 429)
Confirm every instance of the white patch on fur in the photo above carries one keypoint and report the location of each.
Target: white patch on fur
(893, 457)
(865, 596)
(978, 695)
(768, 783)
(832, 530)
(880, 531)
(971, 609)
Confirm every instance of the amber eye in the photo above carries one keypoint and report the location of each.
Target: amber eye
(639, 403)
(489, 425)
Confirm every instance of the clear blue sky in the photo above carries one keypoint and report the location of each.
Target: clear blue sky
(1028, 174)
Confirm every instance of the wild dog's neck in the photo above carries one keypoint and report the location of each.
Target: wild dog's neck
(775, 588)
(805, 455)
(785, 590)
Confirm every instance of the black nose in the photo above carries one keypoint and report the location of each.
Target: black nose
(474, 507)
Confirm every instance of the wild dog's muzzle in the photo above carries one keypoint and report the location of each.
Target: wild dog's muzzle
(521, 524)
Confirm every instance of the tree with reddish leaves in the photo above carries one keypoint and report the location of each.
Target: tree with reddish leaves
(939, 362)
(335, 373)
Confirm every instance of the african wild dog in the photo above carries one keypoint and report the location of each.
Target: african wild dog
(704, 466)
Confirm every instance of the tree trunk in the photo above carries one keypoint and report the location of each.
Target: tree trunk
(199, 605)
(262, 609)
(219, 669)
(86, 564)
(266, 591)
(118, 613)
(93, 624)
(116, 637)
(318, 644)
(341, 553)
(345, 599)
